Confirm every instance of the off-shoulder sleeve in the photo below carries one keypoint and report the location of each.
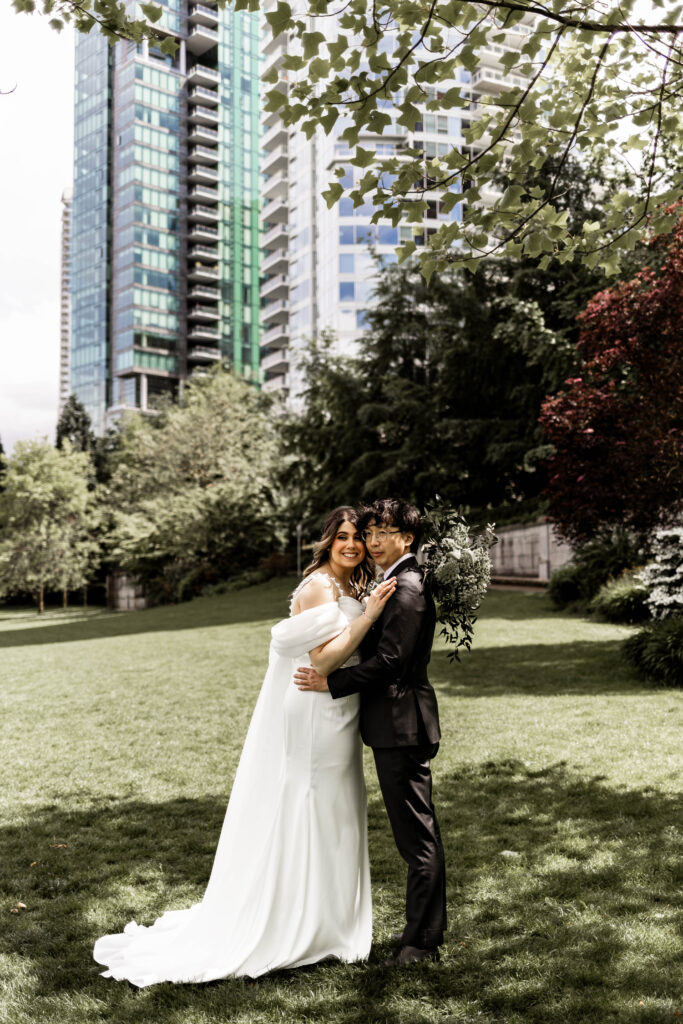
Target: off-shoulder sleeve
(299, 634)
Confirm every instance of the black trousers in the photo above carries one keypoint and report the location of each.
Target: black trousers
(406, 783)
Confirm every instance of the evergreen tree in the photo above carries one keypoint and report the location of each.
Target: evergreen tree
(75, 426)
(443, 398)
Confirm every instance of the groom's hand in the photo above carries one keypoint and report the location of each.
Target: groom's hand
(308, 679)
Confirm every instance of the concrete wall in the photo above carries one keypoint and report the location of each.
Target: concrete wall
(124, 594)
(531, 550)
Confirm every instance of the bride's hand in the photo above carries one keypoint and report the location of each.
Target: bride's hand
(378, 598)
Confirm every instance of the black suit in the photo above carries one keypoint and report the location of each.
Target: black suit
(399, 719)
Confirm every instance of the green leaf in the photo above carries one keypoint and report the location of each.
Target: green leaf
(151, 11)
(333, 193)
(280, 19)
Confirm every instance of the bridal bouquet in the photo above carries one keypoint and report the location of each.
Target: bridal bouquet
(458, 568)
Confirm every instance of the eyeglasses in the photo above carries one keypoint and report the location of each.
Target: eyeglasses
(380, 535)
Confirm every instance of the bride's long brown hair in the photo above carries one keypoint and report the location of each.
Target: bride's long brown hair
(362, 573)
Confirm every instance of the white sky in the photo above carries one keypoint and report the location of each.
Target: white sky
(36, 135)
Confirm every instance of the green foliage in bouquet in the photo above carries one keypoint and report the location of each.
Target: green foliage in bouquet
(458, 568)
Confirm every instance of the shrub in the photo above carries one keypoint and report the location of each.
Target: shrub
(656, 651)
(622, 600)
(248, 578)
(275, 564)
(564, 587)
(593, 564)
(664, 574)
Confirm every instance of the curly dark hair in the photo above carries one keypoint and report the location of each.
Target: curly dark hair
(394, 512)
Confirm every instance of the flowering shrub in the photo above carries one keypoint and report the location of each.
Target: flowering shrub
(458, 568)
(664, 574)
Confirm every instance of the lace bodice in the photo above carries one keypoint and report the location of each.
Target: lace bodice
(341, 595)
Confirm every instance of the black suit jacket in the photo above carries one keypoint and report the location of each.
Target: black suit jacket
(398, 705)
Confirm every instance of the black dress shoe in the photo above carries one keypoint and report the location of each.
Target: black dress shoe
(411, 955)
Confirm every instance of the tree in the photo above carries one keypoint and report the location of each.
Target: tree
(3, 466)
(574, 80)
(47, 518)
(443, 399)
(192, 489)
(617, 426)
(109, 16)
(74, 425)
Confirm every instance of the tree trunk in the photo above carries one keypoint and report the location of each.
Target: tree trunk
(41, 599)
(85, 597)
(65, 598)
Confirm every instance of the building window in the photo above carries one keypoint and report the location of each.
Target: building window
(347, 290)
(346, 263)
(346, 235)
(361, 319)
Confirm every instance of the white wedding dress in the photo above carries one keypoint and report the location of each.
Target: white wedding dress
(290, 883)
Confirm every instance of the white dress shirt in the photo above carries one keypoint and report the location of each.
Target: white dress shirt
(389, 571)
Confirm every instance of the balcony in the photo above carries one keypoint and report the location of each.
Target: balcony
(201, 39)
(271, 43)
(200, 14)
(203, 354)
(279, 383)
(201, 292)
(200, 74)
(199, 332)
(275, 237)
(202, 272)
(275, 336)
(203, 155)
(275, 312)
(203, 115)
(275, 262)
(203, 95)
(276, 362)
(275, 160)
(208, 195)
(276, 210)
(202, 135)
(275, 287)
(203, 313)
(203, 214)
(275, 136)
(204, 253)
(276, 187)
(203, 233)
(203, 173)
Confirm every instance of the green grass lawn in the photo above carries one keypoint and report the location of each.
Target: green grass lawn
(557, 787)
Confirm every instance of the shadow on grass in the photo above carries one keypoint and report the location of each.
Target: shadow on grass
(263, 602)
(574, 924)
(574, 667)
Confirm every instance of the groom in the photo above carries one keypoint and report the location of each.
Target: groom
(399, 719)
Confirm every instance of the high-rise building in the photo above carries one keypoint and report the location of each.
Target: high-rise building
(65, 300)
(165, 265)
(318, 271)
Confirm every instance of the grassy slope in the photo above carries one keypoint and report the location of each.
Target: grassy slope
(557, 789)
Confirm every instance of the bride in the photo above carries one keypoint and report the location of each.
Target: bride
(290, 883)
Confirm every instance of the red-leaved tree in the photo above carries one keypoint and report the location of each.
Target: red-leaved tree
(618, 427)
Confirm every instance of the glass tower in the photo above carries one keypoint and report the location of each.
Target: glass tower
(165, 225)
